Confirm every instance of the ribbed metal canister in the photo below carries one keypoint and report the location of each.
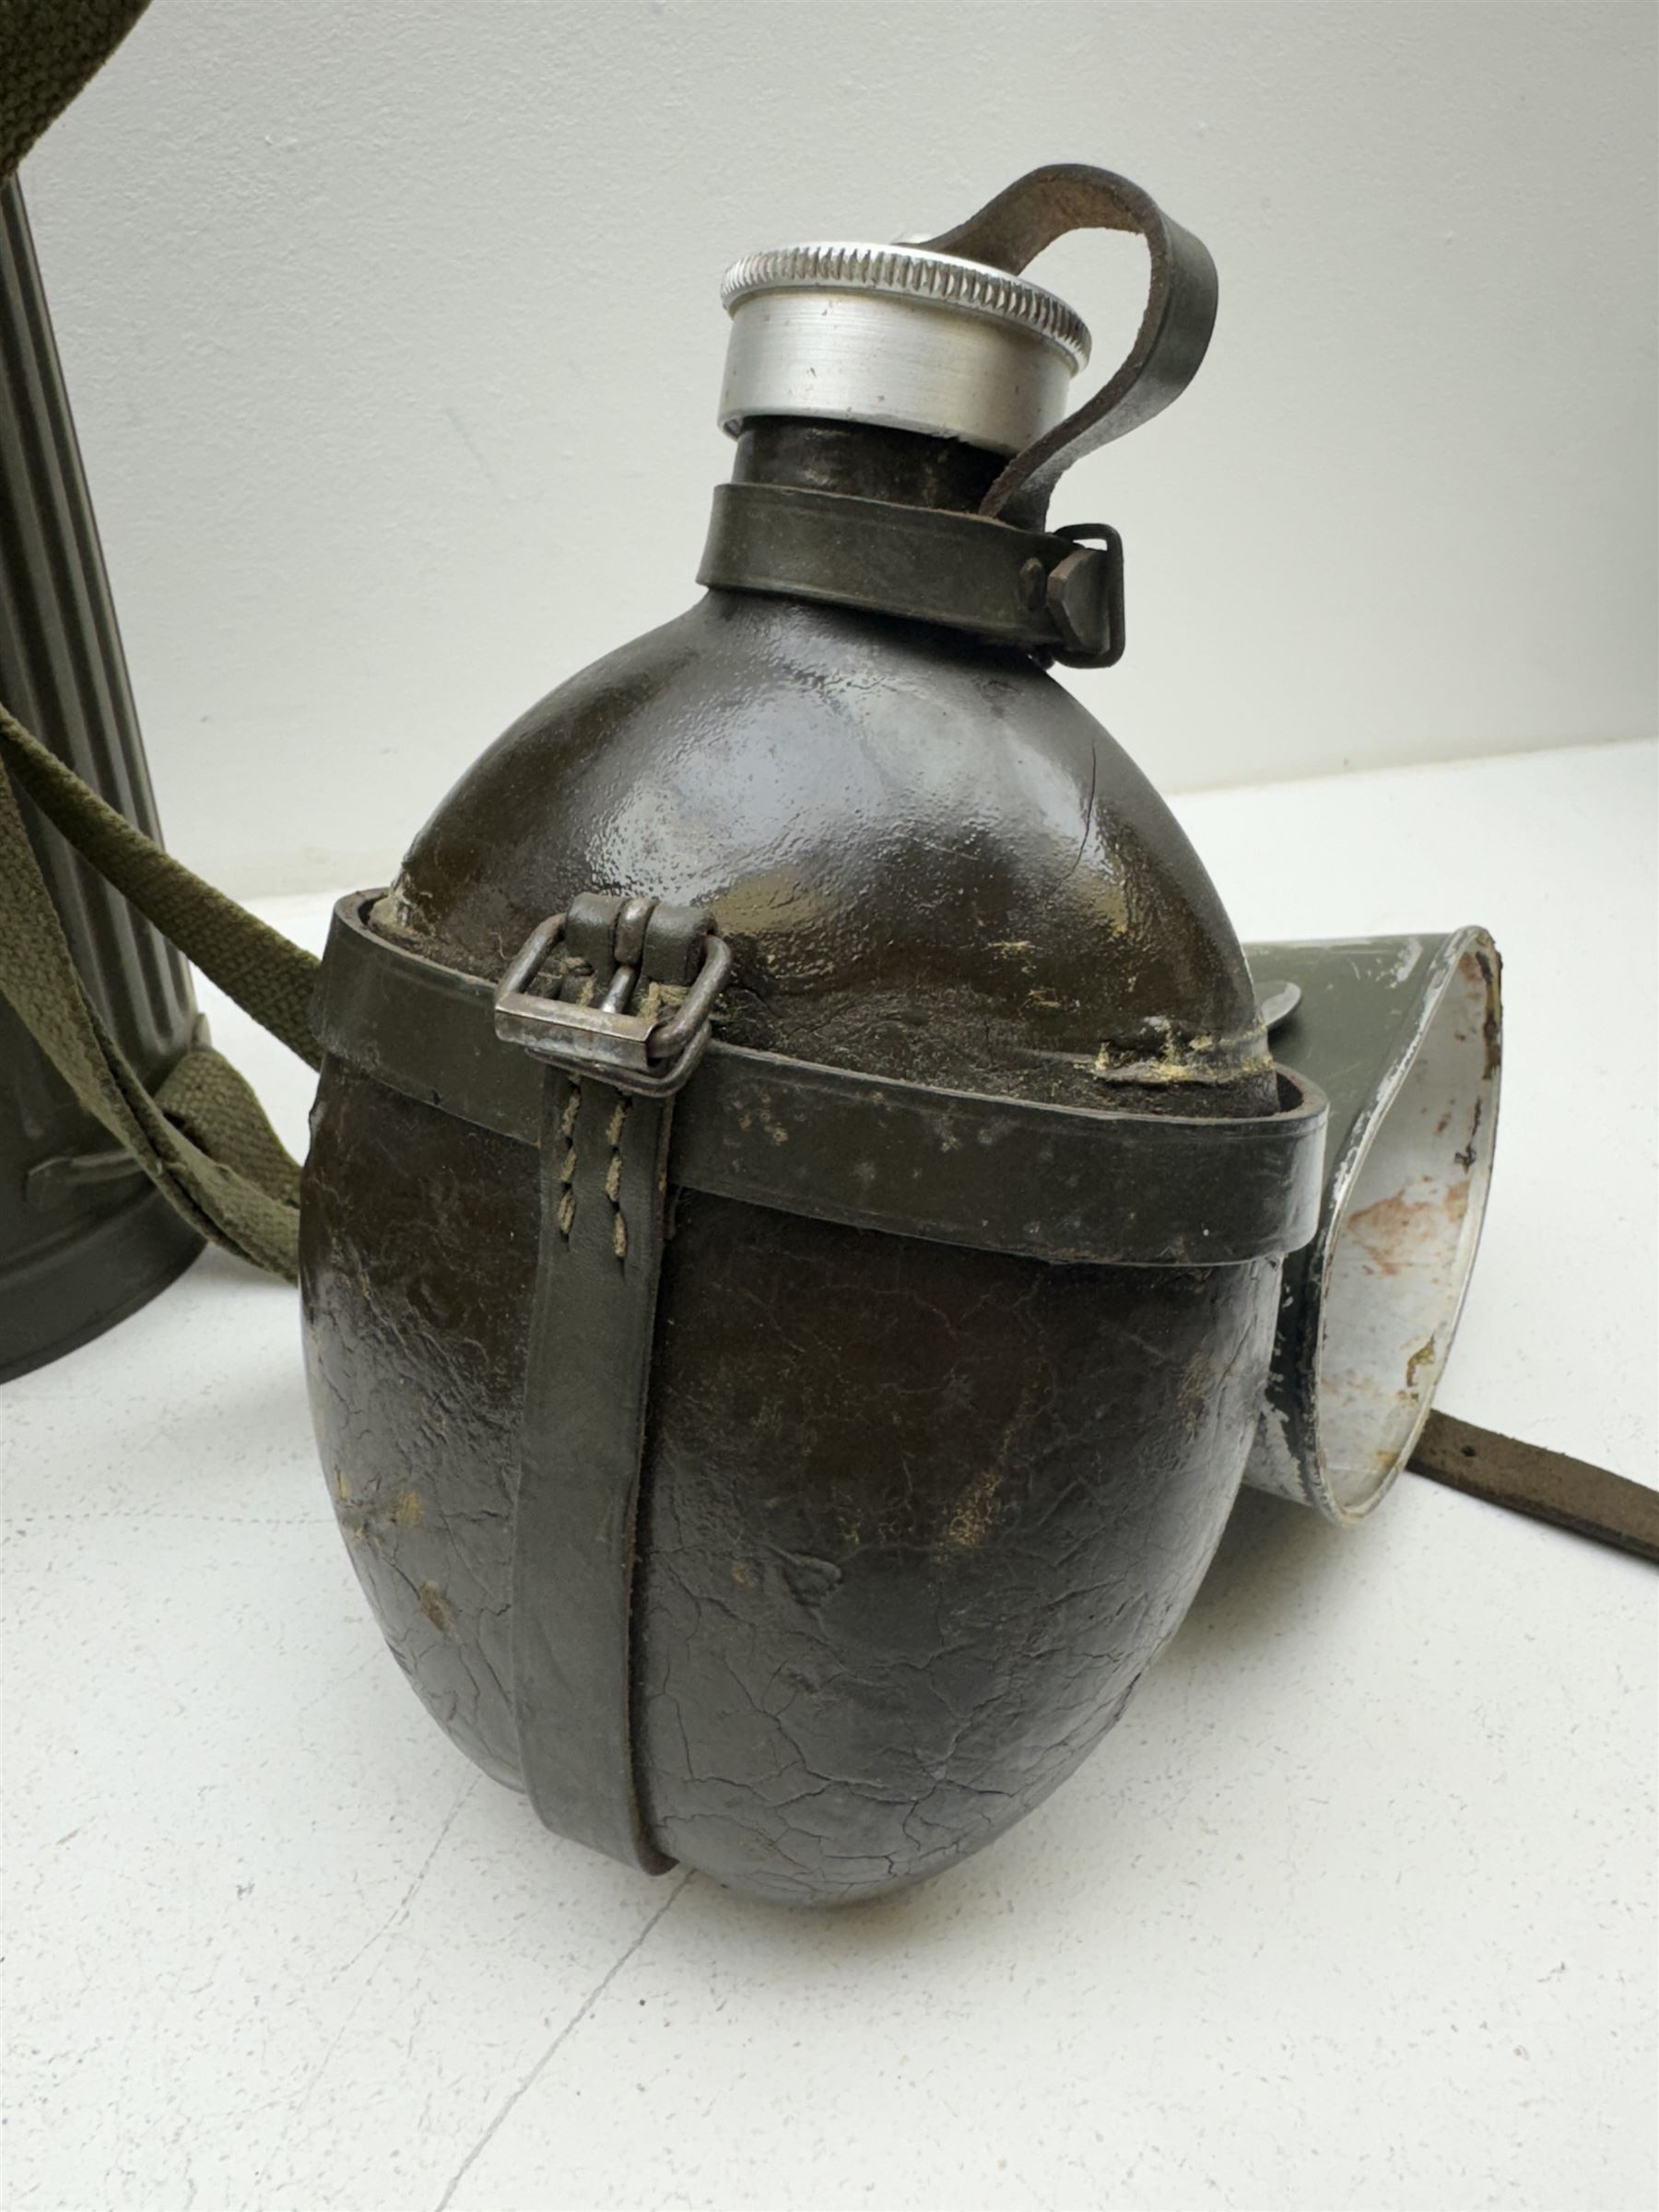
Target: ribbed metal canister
(84, 1238)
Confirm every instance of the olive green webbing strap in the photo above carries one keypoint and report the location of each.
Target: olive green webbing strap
(47, 51)
(201, 1138)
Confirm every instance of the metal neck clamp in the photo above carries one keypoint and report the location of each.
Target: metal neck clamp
(1048, 592)
(997, 574)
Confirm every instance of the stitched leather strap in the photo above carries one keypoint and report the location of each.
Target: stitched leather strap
(603, 1183)
(1001, 1174)
(587, 1379)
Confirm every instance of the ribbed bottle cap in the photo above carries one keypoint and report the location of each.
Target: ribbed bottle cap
(900, 336)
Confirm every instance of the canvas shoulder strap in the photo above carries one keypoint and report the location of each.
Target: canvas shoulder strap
(51, 48)
(201, 1136)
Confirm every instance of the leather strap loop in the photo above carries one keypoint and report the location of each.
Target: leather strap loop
(1010, 230)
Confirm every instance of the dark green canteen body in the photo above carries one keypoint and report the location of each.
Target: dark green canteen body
(913, 1521)
(912, 1518)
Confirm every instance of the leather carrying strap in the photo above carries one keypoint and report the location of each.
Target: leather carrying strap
(1062, 1184)
(1547, 1486)
(603, 1178)
(582, 1430)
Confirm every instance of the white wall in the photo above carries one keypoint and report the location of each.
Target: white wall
(392, 336)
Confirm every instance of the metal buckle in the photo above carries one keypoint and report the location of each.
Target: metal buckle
(646, 1055)
(1083, 597)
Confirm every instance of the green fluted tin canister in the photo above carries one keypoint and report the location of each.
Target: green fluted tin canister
(84, 1237)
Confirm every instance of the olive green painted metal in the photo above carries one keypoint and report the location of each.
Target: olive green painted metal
(84, 1237)
(1405, 1036)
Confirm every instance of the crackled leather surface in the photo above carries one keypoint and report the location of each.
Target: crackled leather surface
(416, 1257)
(914, 1529)
(913, 1519)
(914, 1522)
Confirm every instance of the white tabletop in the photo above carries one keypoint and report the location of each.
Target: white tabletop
(1355, 1908)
